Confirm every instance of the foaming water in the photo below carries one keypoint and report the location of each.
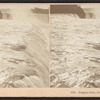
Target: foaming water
(24, 55)
(75, 54)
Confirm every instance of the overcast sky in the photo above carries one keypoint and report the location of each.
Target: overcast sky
(88, 5)
(23, 5)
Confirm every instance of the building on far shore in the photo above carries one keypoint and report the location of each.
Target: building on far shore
(89, 13)
(92, 11)
(5, 14)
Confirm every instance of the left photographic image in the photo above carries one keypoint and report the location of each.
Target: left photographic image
(24, 45)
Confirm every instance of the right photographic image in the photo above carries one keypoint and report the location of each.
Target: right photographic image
(75, 45)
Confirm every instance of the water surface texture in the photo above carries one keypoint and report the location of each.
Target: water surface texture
(24, 55)
(75, 52)
(24, 46)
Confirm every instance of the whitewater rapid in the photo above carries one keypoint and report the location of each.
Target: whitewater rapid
(24, 55)
(75, 56)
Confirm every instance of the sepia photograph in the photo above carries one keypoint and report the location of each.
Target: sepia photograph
(49, 49)
(24, 45)
(75, 45)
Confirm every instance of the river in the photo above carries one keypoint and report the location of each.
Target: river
(75, 52)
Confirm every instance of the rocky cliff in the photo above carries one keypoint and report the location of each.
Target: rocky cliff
(67, 9)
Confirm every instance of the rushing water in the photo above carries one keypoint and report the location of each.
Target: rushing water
(24, 55)
(75, 51)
